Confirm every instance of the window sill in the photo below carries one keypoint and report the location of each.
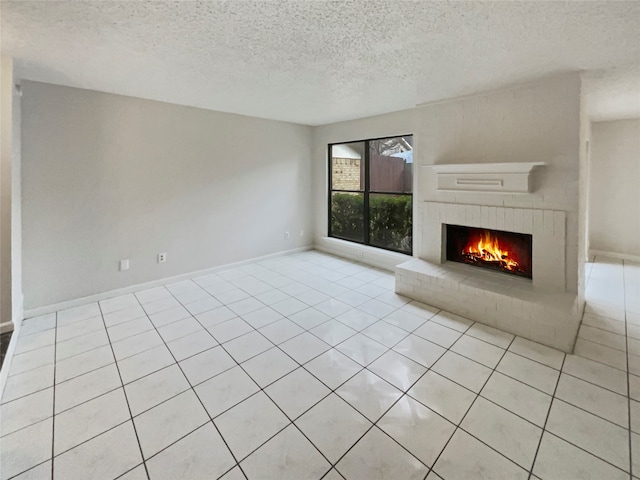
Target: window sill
(376, 257)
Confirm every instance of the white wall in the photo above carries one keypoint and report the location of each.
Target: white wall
(6, 152)
(614, 193)
(107, 177)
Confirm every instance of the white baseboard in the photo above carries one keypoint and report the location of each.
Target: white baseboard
(616, 255)
(7, 327)
(375, 257)
(36, 312)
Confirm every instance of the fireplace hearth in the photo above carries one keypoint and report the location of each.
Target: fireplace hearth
(506, 252)
(532, 303)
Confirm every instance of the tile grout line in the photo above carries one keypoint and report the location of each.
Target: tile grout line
(573, 375)
(332, 391)
(388, 349)
(458, 425)
(598, 361)
(206, 328)
(597, 342)
(94, 436)
(404, 393)
(628, 373)
(261, 389)
(177, 363)
(121, 380)
(135, 430)
(585, 411)
(546, 420)
(584, 450)
(495, 370)
(300, 366)
(53, 414)
(304, 331)
(429, 369)
(366, 368)
(292, 422)
(141, 464)
(626, 339)
(147, 316)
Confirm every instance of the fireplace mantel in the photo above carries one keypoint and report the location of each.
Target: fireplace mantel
(512, 177)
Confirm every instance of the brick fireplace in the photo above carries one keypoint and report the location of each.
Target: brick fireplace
(531, 300)
(508, 161)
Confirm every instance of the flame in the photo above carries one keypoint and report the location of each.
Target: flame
(488, 250)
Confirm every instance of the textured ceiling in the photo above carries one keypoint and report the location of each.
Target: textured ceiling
(312, 62)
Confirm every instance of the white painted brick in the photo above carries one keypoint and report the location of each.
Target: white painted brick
(461, 214)
(484, 216)
(559, 224)
(477, 216)
(508, 224)
(527, 221)
(548, 222)
(508, 310)
(538, 222)
(468, 214)
(492, 218)
(448, 212)
(500, 218)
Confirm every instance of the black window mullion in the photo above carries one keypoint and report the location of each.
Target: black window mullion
(366, 194)
(330, 190)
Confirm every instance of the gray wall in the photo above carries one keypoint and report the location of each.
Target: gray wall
(108, 177)
(614, 190)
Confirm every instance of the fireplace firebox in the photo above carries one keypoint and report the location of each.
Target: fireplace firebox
(506, 252)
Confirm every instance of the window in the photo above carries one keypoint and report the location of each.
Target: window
(370, 192)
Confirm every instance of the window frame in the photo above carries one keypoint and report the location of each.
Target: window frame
(366, 192)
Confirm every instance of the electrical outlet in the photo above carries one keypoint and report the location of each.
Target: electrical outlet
(302, 233)
(360, 253)
(124, 264)
(286, 235)
(162, 257)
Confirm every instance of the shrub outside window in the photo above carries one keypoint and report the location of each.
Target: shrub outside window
(370, 192)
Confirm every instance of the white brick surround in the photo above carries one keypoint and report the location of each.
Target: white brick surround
(547, 228)
(538, 309)
(510, 304)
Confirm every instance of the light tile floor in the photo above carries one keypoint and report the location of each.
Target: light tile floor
(308, 366)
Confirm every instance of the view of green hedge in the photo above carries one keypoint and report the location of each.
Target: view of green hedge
(390, 219)
(347, 216)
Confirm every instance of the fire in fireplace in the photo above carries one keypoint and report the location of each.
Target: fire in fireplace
(507, 252)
